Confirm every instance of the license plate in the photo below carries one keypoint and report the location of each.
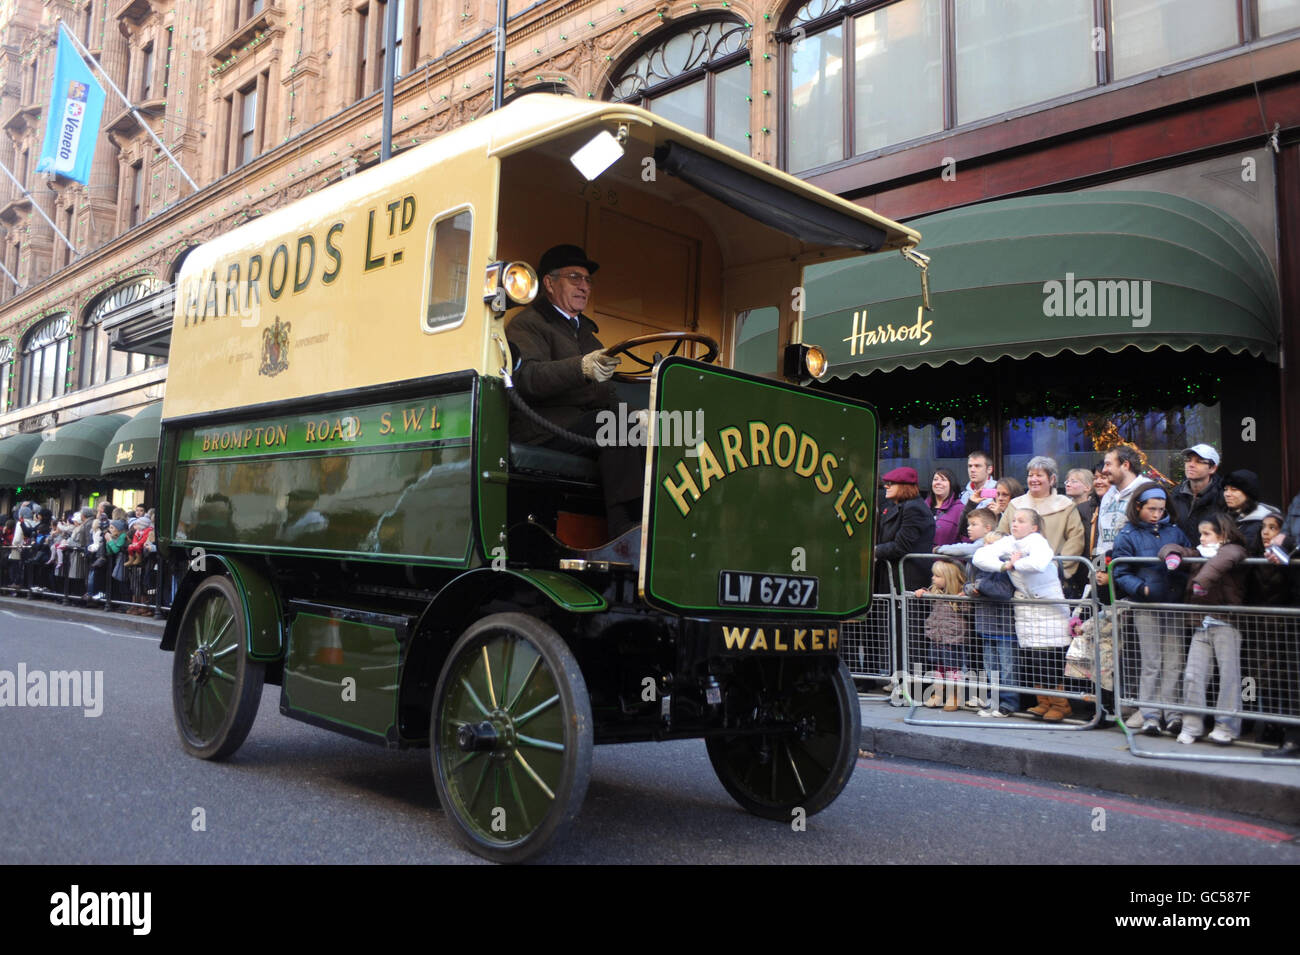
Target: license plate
(739, 589)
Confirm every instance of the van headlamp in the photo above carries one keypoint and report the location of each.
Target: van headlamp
(805, 363)
(509, 283)
(520, 282)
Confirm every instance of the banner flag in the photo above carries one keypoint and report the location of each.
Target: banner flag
(75, 107)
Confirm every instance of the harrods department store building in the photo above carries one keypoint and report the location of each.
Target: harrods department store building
(1109, 191)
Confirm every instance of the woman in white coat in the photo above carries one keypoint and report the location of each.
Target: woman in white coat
(1042, 629)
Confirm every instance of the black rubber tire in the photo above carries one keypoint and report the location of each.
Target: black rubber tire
(563, 773)
(214, 619)
(772, 775)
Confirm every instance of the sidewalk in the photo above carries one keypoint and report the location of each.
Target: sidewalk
(73, 610)
(1097, 758)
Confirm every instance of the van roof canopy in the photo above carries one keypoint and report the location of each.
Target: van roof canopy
(813, 216)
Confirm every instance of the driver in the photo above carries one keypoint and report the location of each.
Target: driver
(562, 372)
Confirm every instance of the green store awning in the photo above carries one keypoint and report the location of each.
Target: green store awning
(135, 445)
(15, 454)
(1040, 275)
(76, 450)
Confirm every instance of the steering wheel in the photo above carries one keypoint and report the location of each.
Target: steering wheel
(677, 338)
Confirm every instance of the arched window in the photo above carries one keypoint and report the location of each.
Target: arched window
(6, 373)
(45, 360)
(858, 81)
(99, 363)
(699, 77)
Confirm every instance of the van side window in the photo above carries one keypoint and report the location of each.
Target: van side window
(448, 269)
(757, 350)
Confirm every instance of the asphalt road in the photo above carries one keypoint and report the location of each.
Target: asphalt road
(117, 788)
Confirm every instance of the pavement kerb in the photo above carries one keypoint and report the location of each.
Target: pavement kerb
(1269, 792)
(39, 607)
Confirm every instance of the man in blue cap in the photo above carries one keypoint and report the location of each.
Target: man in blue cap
(562, 372)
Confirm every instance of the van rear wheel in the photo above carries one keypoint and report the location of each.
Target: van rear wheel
(216, 688)
(807, 757)
(511, 737)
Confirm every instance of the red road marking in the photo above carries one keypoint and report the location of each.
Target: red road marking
(1192, 819)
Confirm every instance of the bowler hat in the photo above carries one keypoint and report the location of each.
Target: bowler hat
(902, 475)
(561, 256)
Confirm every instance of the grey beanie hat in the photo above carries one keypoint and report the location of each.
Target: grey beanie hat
(25, 512)
(120, 524)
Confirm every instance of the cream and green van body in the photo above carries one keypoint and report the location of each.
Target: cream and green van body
(350, 520)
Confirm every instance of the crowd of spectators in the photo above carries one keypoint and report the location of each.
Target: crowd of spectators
(80, 553)
(1115, 511)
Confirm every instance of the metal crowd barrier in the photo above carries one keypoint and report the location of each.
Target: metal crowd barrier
(14, 570)
(1232, 663)
(147, 584)
(973, 669)
(868, 643)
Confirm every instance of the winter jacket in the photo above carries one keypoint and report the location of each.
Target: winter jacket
(1112, 515)
(906, 528)
(947, 521)
(969, 491)
(1190, 509)
(1250, 526)
(992, 591)
(1146, 540)
(1088, 518)
(16, 548)
(1291, 524)
(1274, 586)
(1222, 577)
(549, 349)
(143, 529)
(1062, 527)
(948, 622)
(77, 549)
(1037, 625)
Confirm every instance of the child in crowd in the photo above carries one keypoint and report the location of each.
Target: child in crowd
(1220, 581)
(967, 545)
(141, 534)
(1042, 629)
(946, 629)
(995, 624)
(1148, 531)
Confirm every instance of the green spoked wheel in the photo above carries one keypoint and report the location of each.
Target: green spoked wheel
(511, 736)
(805, 757)
(215, 686)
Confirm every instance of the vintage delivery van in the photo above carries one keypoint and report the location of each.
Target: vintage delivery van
(352, 522)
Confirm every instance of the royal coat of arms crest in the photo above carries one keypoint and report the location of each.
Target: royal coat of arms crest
(275, 348)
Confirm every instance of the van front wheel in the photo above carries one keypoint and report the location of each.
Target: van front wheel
(511, 736)
(799, 747)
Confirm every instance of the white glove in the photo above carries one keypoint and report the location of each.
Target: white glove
(598, 366)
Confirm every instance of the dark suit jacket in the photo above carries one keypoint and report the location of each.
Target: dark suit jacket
(548, 351)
